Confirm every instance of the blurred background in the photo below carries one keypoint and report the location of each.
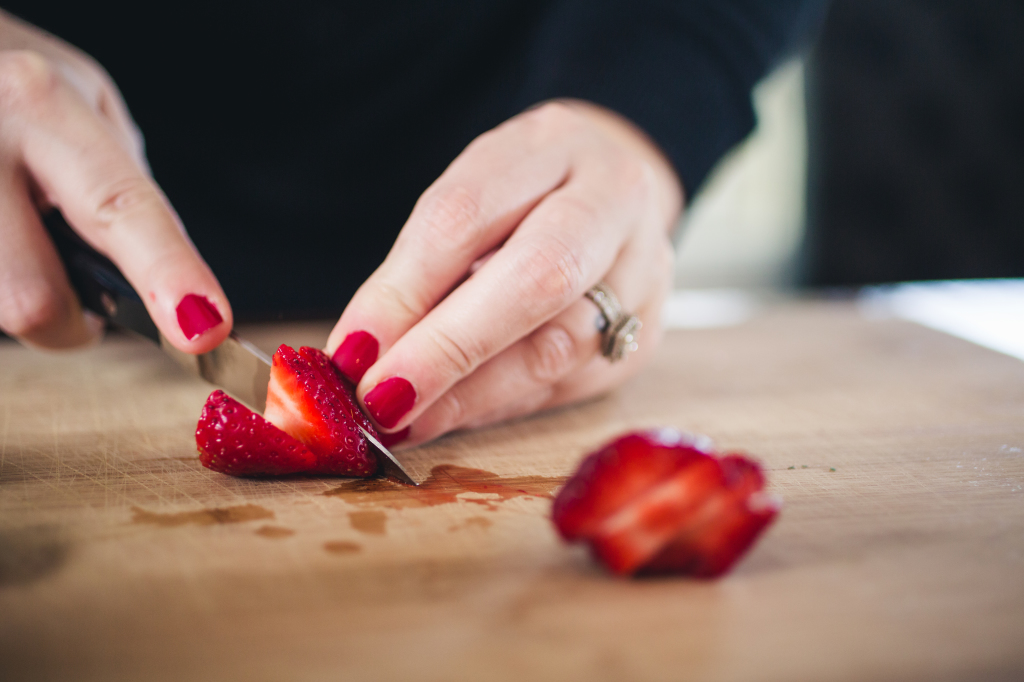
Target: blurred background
(891, 148)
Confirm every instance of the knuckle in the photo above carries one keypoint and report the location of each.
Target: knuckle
(460, 357)
(554, 353)
(399, 301)
(485, 142)
(548, 122)
(452, 412)
(452, 217)
(26, 309)
(124, 196)
(553, 272)
(555, 118)
(571, 211)
(635, 177)
(27, 79)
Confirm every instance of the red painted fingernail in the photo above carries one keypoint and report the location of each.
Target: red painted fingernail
(390, 400)
(389, 439)
(197, 315)
(355, 355)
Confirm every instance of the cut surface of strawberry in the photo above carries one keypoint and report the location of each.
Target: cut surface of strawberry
(710, 549)
(310, 400)
(621, 471)
(234, 440)
(662, 502)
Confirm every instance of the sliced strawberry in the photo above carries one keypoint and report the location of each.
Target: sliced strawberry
(309, 399)
(742, 475)
(709, 549)
(637, 532)
(234, 440)
(647, 505)
(621, 471)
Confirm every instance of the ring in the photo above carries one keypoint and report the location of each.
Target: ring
(618, 329)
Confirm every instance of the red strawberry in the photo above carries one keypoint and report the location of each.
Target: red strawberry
(708, 550)
(652, 502)
(309, 399)
(615, 475)
(234, 440)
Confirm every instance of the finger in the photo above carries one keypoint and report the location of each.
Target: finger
(590, 379)
(112, 106)
(654, 256)
(562, 248)
(76, 160)
(560, 362)
(37, 304)
(519, 380)
(96, 87)
(468, 211)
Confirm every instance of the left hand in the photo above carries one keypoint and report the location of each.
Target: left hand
(477, 314)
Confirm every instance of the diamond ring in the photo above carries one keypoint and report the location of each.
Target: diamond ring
(618, 329)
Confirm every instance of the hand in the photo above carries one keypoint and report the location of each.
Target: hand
(67, 141)
(477, 314)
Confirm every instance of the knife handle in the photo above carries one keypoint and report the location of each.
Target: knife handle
(100, 285)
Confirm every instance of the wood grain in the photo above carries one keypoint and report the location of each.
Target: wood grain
(122, 558)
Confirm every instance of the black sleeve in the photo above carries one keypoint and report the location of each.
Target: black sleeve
(682, 71)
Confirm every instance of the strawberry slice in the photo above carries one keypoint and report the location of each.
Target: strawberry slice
(709, 549)
(724, 528)
(636, 533)
(234, 440)
(310, 400)
(618, 473)
(654, 502)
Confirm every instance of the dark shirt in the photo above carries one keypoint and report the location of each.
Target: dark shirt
(293, 139)
(916, 142)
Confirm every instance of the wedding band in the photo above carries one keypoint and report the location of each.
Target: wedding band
(606, 301)
(618, 329)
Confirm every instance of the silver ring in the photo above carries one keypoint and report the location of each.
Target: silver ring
(618, 329)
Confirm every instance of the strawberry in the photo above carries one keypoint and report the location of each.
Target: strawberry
(661, 502)
(616, 474)
(309, 399)
(234, 440)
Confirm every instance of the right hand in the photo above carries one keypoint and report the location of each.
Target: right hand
(68, 142)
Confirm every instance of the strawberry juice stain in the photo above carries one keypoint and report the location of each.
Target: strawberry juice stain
(342, 547)
(444, 485)
(274, 532)
(202, 517)
(478, 522)
(370, 521)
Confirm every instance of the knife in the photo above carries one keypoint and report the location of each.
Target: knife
(236, 365)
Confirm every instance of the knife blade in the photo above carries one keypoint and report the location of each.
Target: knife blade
(236, 365)
(387, 465)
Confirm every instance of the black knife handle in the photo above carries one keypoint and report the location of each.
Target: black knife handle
(100, 285)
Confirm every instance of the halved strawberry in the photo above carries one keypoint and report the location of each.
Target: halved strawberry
(234, 440)
(309, 399)
(652, 502)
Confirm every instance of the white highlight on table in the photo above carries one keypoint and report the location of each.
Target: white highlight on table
(988, 312)
(707, 308)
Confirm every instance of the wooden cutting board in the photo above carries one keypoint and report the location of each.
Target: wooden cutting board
(899, 554)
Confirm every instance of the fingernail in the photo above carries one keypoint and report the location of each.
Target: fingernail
(390, 400)
(196, 315)
(389, 439)
(355, 355)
